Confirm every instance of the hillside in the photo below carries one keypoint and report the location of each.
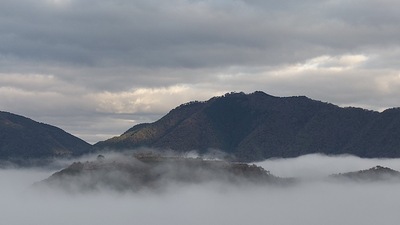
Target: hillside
(23, 138)
(154, 172)
(377, 173)
(258, 126)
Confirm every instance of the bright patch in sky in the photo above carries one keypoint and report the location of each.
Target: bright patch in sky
(328, 63)
(59, 2)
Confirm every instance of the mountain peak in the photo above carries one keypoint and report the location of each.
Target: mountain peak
(256, 126)
(376, 173)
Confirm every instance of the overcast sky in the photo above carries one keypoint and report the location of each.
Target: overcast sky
(97, 67)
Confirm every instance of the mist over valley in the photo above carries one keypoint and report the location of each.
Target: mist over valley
(219, 202)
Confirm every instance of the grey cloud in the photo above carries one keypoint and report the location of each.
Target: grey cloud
(365, 12)
(186, 34)
(96, 46)
(180, 33)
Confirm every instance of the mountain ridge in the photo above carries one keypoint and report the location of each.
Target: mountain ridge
(249, 127)
(154, 172)
(24, 138)
(257, 126)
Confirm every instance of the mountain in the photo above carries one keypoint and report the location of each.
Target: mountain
(23, 138)
(257, 126)
(154, 172)
(377, 173)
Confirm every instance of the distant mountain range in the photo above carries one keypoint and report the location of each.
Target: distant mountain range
(258, 126)
(249, 127)
(23, 138)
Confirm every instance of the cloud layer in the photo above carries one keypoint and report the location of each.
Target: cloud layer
(308, 203)
(71, 62)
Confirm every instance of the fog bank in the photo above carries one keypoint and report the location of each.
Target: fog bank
(317, 202)
(318, 166)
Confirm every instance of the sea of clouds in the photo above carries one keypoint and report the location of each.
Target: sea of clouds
(315, 201)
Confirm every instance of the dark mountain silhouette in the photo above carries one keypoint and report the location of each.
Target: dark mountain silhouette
(258, 126)
(23, 138)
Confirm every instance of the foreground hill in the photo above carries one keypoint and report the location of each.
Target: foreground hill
(258, 126)
(23, 138)
(155, 172)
